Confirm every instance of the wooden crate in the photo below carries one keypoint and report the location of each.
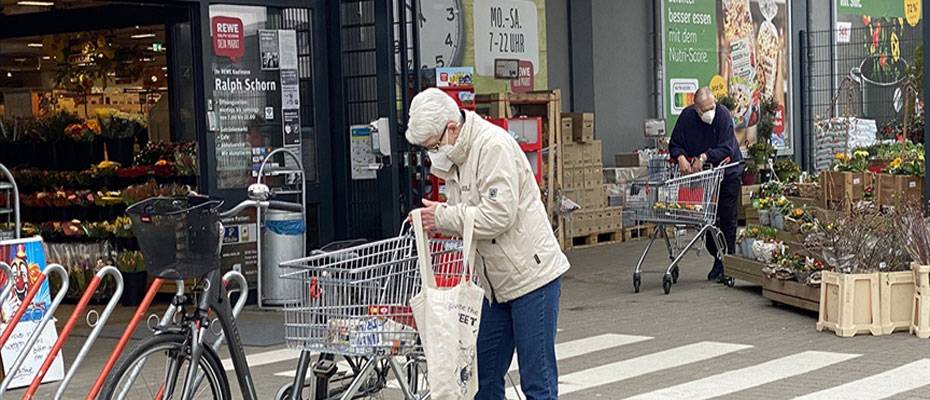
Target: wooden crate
(596, 239)
(920, 324)
(637, 232)
(743, 269)
(896, 190)
(805, 201)
(844, 188)
(792, 293)
(897, 300)
(850, 304)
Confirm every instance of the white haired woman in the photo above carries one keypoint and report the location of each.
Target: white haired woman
(519, 260)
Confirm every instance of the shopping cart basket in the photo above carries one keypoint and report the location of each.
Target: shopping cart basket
(677, 201)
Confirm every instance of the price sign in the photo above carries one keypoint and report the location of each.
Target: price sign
(505, 29)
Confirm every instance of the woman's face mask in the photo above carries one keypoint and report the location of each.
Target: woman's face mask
(439, 154)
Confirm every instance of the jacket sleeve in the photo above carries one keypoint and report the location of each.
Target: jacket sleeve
(498, 188)
(726, 142)
(675, 148)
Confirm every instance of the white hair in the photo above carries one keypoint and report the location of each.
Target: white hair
(430, 111)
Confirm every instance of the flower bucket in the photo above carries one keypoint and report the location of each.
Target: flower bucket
(778, 220)
(765, 217)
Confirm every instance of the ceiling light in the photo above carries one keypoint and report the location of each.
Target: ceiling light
(9, 74)
(36, 45)
(46, 58)
(19, 59)
(143, 36)
(36, 3)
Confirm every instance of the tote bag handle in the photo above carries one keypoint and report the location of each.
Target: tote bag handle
(423, 250)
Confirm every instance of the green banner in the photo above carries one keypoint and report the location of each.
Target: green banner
(874, 8)
(690, 52)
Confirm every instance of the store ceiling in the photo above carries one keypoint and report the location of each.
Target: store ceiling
(11, 7)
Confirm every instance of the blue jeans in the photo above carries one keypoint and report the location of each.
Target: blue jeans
(527, 324)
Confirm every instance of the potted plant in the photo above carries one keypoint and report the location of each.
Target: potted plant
(916, 231)
(135, 279)
(748, 238)
(787, 170)
(780, 207)
(846, 182)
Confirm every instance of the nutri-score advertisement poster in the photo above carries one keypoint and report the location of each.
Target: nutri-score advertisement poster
(738, 48)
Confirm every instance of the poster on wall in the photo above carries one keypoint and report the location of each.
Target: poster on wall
(738, 48)
(26, 258)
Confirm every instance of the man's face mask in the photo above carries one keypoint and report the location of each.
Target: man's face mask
(708, 116)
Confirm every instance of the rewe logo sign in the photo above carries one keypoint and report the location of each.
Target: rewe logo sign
(228, 37)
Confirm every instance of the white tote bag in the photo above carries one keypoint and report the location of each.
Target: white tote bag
(448, 320)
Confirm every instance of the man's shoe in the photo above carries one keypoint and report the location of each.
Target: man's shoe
(716, 272)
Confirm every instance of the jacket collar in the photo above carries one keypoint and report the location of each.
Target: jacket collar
(467, 135)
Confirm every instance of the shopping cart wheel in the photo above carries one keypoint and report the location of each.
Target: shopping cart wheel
(729, 281)
(667, 283)
(285, 392)
(675, 274)
(637, 280)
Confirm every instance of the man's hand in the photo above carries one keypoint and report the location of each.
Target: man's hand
(428, 214)
(698, 164)
(684, 165)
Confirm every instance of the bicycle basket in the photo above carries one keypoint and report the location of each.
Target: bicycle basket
(179, 240)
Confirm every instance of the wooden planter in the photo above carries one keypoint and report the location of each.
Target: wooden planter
(844, 188)
(920, 325)
(743, 269)
(792, 293)
(897, 300)
(896, 190)
(850, 304)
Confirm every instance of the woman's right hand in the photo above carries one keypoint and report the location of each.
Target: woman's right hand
(684, 165)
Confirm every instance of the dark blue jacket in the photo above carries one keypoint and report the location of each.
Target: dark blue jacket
(692, 137)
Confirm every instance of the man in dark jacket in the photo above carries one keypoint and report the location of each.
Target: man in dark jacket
(704, 135)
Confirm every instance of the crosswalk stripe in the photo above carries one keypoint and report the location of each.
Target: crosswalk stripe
(749, 377)
(622, 370)
(884, 385)
(264, 358)
(592, 344)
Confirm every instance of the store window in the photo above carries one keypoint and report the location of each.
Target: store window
(261, 94)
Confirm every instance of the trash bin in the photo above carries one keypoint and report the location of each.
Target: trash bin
(282, 240)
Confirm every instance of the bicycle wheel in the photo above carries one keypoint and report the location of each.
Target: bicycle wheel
(160, 360)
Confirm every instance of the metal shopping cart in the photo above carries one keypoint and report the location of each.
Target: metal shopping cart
(668, 200)
(355, 302)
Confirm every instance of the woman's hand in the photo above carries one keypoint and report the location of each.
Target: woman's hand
(428, 215)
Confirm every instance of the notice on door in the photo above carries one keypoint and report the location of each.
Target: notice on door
(505, 29)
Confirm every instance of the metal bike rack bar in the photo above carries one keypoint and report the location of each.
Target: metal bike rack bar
(65, 333)
(124, 339)
(23, 307)
(56, 268)
(8, 288)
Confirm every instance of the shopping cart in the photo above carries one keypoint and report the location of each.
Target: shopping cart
(669, 200)
(355, 302)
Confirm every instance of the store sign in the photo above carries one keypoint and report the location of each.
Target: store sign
(843, 32)
(505, 29)
(240, 250)
(876, 8)
(524, 81)
(228, 37)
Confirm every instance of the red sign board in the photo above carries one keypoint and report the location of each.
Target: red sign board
(779, 120)
(228, 37)
(524, 81)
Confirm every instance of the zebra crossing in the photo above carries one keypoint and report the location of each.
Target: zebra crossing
(580, 383)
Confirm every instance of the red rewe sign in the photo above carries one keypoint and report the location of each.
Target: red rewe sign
(228, 37)
(524, 81)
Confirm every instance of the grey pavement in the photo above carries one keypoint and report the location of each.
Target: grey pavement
(682, 341)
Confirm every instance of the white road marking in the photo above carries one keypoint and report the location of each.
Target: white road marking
(884, 385)
(265, 358)
(592, 344)
(622, 370)
(749, 377)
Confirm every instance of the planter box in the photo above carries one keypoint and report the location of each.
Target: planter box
(792, 293)
(920, 325)
(897, 300)
(850, 304)
(844, 187)
(895, 190)
(743, 269)
(752, 215)
(810, 190)
(805, 201)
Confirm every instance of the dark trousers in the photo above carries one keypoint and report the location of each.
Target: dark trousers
(527, 325)
(727, 202)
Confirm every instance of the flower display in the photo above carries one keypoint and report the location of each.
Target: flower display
(84, 132)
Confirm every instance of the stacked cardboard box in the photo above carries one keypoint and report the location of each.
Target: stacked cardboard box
(583, 179)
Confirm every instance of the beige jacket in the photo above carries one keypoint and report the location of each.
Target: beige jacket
(517, 250)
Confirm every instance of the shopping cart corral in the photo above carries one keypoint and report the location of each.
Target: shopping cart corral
(669, 200)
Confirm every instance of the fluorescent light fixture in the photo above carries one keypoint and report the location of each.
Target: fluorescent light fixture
(46, 58)
(36, 3)
(36, 45)
(143, 35)
(19, 59)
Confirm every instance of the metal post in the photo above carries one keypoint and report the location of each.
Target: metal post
(926, 95)
(258, 211)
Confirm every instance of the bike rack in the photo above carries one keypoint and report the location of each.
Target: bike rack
(65, 333)
(57, 268)
(130, 329)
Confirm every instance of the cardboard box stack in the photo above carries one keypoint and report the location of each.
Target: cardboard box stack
(583, 179)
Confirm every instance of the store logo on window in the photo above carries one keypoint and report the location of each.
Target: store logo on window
(228, 37)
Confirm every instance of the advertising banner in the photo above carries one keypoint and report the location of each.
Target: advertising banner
(738, 48)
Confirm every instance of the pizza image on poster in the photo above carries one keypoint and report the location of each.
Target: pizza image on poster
(26, 258)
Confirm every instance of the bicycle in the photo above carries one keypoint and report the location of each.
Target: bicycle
(181, 239)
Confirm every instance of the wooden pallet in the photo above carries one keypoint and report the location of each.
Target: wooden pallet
(596, 239)
(743, 269)
(637, 232)
(791, 293)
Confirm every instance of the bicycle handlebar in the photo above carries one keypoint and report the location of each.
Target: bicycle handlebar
(269, 204)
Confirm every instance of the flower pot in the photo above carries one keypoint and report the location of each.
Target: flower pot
(897, 294)
(778, 220)
(765, 217)
(135, 285)
(749, 178)
(745, 248)
(850, 304)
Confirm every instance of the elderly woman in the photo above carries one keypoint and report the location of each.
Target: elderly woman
(519, 260)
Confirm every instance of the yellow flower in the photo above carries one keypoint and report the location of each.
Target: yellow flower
(861, 154)
(896, 163)
(841, 157)
(94, 126)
